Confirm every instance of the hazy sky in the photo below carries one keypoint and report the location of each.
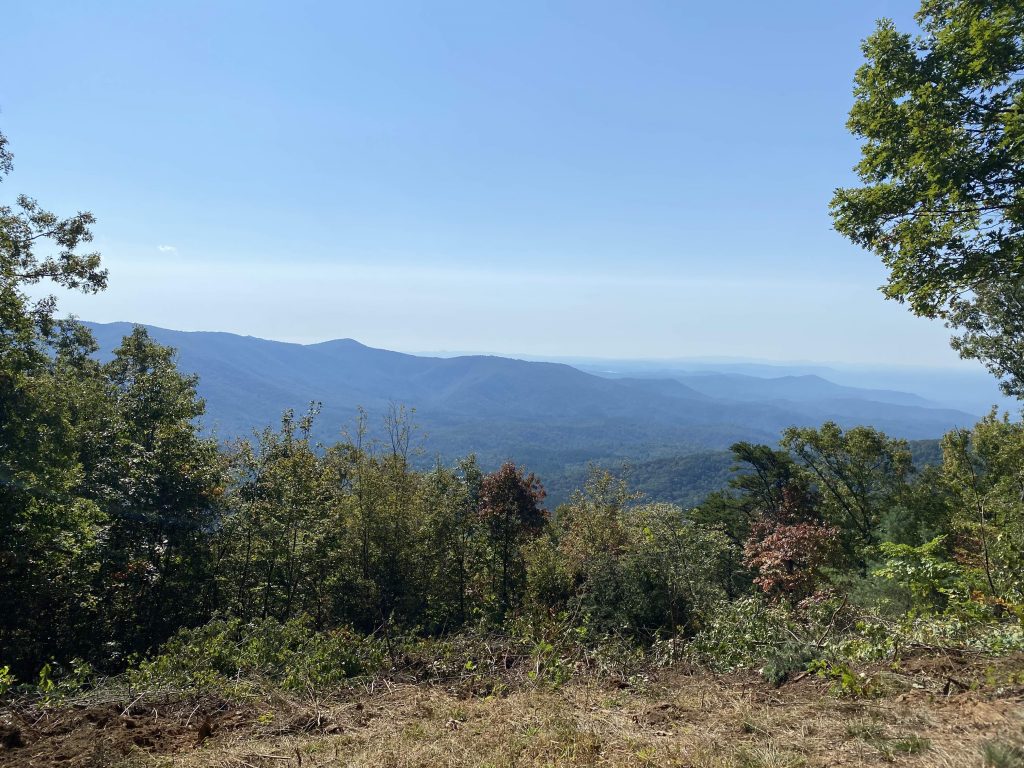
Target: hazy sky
(629, 179)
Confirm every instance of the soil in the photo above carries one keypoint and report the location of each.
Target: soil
(98, 734)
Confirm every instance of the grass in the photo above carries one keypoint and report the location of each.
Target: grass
(696, 720)
(1000, 754)
(703, 723)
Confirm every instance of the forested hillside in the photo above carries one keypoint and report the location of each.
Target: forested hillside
(688, 479)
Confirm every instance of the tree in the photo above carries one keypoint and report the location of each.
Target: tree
(592, 544)
(942, 202)
(25, 226)
(773, 481)
(510, 508)
(982, 468)
(993, 331)
(672, 570)
(48, 389)
(275, 545)
(625, 568)
(159, 483)
(451, 540)
(767, 483)
(859, 474)
(788, 546)
(385, 519)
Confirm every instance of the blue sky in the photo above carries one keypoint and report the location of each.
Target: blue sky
(630, 179)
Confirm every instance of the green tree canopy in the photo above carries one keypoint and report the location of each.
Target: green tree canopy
(941, 115)
(48, 526)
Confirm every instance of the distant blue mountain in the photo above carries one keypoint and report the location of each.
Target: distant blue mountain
(797, 389)
(970, 389)
(549, 415)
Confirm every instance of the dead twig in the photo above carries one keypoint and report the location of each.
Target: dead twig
(192, 714)
(135, 701)
(832, 621)
(270, 757)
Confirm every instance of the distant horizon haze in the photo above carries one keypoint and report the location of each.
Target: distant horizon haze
(955, 364)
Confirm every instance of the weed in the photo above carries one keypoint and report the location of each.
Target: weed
(911, 745)
(769, 757)
(843, 681)
(999, 754)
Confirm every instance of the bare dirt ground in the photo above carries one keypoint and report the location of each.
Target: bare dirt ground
(930, 711)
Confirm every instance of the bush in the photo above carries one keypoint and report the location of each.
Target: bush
(225, 654)
(741, 634)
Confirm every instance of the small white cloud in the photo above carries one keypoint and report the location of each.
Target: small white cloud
(167, 249)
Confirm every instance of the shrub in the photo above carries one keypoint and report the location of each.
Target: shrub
(226, 654)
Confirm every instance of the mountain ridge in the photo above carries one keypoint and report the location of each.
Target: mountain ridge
(547, 414)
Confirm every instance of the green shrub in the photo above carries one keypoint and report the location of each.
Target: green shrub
(935, 584)
(785, 660)
(740, 634)
(224, 654)
(843, 681)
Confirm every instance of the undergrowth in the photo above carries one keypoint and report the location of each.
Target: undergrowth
(825, 638)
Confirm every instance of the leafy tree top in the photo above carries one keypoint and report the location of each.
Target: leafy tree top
(941, 115)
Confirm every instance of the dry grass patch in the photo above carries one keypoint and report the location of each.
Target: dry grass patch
(696, 721)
